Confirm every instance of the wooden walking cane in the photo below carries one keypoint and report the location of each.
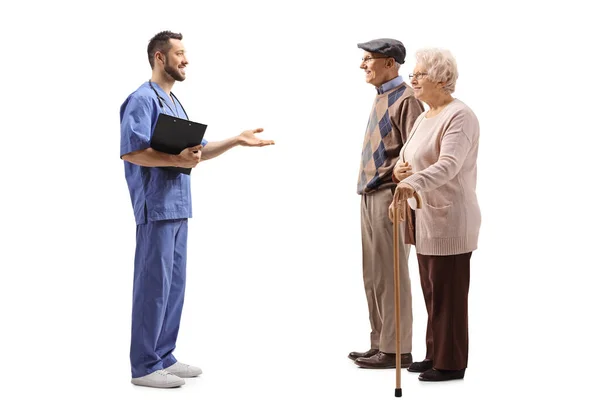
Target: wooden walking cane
(399, 213)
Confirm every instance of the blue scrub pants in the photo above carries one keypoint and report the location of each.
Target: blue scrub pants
(158, 292)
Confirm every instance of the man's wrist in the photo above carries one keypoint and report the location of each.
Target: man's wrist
(174, 160)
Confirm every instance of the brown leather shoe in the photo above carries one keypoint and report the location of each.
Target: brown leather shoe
(355, 354)
(438, 375)
(383, 360)
(420, 366)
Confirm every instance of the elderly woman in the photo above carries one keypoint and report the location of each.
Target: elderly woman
(439, 163)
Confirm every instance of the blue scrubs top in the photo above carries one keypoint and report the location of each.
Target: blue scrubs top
(156, 194)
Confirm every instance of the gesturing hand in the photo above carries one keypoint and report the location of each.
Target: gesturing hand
(248, 138)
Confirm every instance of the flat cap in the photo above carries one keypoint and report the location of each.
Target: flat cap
(388, 47)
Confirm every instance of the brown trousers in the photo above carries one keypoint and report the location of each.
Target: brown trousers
(378, 274)
(445, 283)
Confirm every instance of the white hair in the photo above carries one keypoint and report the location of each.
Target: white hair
(397, 66)
(440, 66)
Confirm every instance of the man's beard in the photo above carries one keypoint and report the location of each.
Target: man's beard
(173, 72)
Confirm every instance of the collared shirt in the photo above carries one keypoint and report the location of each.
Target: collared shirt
(156, 193)
(389, 85)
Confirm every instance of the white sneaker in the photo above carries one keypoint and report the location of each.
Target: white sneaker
(183, 370)
(159, 379)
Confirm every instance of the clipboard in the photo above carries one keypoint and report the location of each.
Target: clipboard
(172, 134)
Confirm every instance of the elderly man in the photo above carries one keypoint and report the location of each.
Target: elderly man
(394, 112)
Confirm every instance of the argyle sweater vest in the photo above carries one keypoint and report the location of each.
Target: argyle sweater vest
(392, 117)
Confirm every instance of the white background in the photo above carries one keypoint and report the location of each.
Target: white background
(274, 298)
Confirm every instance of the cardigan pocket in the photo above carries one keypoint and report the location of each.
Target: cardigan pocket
(437, 203)
(442, 197)
(437, 221)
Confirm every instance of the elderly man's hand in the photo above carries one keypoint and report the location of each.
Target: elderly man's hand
(402, 170)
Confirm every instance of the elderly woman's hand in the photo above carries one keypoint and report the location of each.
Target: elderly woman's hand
(402, 170)
(391, 212)
(403, 192)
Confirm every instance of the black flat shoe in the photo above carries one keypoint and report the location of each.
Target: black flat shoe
(438, 375)
(420, 366)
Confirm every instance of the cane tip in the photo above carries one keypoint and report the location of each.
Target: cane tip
(399, 392)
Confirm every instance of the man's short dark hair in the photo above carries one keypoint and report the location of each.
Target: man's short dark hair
(160, 42)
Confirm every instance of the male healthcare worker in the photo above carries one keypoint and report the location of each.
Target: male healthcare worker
(162, 204)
